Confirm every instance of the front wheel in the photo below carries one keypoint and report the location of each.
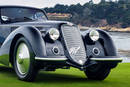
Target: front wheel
(97, 72)
(24, 60)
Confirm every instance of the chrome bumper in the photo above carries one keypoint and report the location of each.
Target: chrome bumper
(120, 59)
(61, 58)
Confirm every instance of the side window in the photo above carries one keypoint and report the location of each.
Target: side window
(40, 15)
(18, 14)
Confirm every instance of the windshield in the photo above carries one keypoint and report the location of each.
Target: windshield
(11, 15)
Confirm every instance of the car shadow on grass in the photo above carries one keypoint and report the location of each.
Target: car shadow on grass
(7, 71)
(45, 77)
(61, 78)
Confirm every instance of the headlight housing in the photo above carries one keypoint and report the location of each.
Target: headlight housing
(54, 34)
(94, 35)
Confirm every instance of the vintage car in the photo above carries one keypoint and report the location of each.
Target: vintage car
(30, 42)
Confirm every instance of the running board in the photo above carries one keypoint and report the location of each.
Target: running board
(51, 58)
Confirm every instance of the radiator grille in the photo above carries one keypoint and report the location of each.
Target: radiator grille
(74, 43)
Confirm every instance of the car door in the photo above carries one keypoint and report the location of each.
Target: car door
(5, 30)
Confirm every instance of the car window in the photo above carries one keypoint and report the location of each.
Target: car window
(11, 15)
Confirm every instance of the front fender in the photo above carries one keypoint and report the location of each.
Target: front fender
(108, 43)
(105, 40)
(34, 37)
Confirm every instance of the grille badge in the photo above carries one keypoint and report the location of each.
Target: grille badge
(74, 50)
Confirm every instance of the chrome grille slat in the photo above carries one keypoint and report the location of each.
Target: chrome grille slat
(73, 39)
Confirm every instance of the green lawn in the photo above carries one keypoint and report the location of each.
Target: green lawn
(119, 77)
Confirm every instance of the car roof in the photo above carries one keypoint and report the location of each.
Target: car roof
(19, 6)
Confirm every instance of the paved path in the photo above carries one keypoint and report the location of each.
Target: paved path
(126, 60)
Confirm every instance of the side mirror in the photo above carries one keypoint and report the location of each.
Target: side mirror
(5, 18)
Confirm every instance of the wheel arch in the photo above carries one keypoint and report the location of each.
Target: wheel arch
(12, 47)
(107, 43)
(105, 40)
(33, 36)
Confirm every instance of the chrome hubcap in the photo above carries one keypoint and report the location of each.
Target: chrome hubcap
(22, 58)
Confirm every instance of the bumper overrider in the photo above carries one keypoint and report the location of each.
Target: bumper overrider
(100, 59)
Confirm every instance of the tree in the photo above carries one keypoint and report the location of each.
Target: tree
(91, 14)
(103, 1)
(91, 2)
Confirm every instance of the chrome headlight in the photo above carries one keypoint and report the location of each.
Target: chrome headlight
(54, 34)
(94, 35)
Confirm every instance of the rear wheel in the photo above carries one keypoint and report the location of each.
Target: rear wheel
(24, 60)
(97, 72)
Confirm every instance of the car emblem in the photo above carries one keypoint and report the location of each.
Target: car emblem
(74, 50)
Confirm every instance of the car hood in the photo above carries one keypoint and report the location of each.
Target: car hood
(48, 23)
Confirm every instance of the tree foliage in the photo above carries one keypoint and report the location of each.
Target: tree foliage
(114, 13)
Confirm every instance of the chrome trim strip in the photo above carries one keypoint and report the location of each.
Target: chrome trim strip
(50, 59)
(107, 59)
(18, 25)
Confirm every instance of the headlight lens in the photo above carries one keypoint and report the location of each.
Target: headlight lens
(54, 34)
(94, 35)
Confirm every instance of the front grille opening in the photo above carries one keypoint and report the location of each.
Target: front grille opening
(74, 43)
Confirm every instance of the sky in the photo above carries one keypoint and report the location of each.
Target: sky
(43, 3)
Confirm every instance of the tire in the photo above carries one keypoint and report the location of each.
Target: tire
(23, 61)
(97, 72)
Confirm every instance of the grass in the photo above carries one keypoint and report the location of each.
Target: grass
(119, 77)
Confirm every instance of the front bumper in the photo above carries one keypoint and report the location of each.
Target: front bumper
(57, 58)
(63, 58)
(63, 61)
(108, 58)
